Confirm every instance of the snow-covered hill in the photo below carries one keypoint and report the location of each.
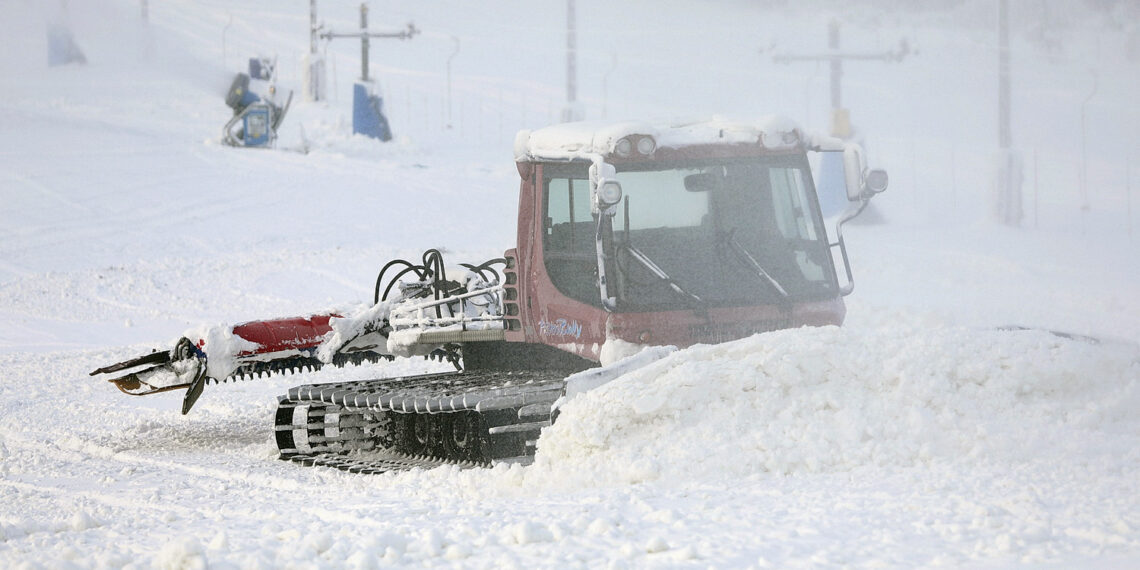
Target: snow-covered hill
(922, 433)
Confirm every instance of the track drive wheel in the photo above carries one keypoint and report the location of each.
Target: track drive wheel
(421, 435)
(464, 437)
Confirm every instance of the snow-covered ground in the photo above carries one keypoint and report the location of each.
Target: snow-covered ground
(922, 433)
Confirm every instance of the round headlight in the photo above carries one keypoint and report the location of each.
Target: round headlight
(610, 192)
(623, 148)
(646, 145)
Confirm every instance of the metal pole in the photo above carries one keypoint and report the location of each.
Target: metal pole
(449, 58)
(954, 177)
(1128, 195)
(364, 42)
(571, 62)
(836, 65)
(145, 11)
(571, 53)
(313, 26)
(1036, 190)
(1005, 138)
(1084, 148)
(834, 57)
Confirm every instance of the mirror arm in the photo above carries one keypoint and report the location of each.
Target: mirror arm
(849, 215)
(609, 301)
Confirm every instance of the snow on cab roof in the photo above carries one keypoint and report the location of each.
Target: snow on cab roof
(587, 139)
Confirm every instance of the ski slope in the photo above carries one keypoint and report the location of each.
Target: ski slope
(928, 431)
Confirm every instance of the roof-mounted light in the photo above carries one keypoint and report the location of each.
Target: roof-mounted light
(628, 146)
(646, 145)
(624, 148)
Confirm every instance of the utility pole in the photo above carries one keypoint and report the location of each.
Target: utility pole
(836, 65)
(454, 53)
(366, 36)
(1005, 138)
(570, 112)
(840, 118)
(1007, 193)
(831, 186)
(314, 29)
(367, 107)
(365, 44)
(314, 65)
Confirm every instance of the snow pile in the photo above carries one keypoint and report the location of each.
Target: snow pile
(182, 554)
(831, 399)
(222, 346)
(357, 321)
(584, 139)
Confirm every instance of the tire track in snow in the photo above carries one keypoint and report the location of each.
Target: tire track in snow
(75, 456)
(40, 189)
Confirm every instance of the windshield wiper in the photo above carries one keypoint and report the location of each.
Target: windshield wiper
(730, 238)
(658, 272)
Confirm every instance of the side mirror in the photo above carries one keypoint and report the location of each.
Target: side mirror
(860, 183)
(701, 182)
(877, 180)
(853, 171)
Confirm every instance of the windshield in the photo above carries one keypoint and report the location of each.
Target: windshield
(702, 233)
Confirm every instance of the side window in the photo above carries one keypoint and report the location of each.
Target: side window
(794, 218)
(568, 219)
(789, 196)
(568, 242)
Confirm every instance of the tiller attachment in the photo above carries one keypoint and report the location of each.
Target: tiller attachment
(182, 367)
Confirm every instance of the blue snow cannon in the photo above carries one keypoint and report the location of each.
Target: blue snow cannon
(255, 120)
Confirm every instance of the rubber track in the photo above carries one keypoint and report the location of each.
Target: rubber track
(373, 463)
(340, 428)
(434, 393)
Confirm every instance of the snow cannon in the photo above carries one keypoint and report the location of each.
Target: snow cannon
(256, 118)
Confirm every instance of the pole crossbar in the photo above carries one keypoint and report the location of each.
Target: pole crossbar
(402, 35)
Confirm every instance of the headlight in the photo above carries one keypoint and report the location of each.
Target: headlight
(610, 192)
(624, 148)
(646, 145)
(642, 144)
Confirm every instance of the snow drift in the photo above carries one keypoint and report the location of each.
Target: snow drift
(831, 399)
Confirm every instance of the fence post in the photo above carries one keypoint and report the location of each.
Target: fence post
(1036, 190)
(1128, 194)
(954, 177)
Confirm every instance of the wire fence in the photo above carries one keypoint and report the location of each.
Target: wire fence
(934, 179)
